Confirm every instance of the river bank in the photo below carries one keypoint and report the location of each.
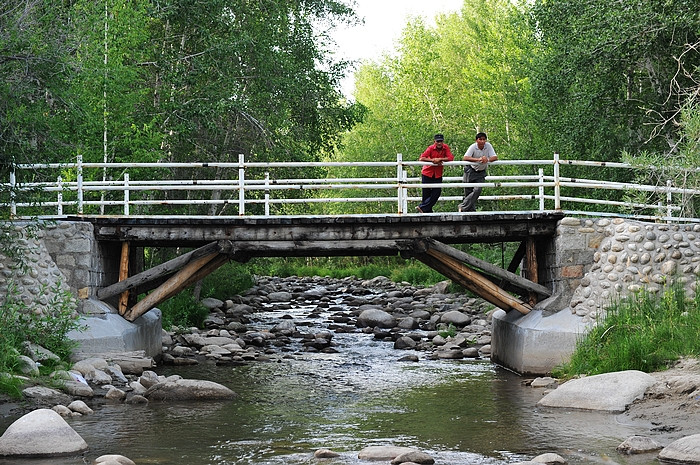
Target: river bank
(672, 404)
(330, 343)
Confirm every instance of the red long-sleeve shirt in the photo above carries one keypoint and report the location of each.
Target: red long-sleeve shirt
(435, 171)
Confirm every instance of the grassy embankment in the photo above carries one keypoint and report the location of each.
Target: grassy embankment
(645, 332)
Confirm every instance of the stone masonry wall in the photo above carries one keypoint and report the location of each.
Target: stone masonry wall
(38, 283)
(87, 265)
(571, 256)
(63, 252)
(636, 255)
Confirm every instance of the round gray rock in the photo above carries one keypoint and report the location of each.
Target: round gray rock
(188, 389)
(42, 432)
(374, 317)
(638, 445)
(456, 318)
(685, 450)
(385, 453)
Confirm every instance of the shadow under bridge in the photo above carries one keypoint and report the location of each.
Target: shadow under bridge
(428, 238)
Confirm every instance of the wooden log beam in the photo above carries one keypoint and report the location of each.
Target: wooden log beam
(123, 275)
(202, 273)
(531, 265)
(172, 286)
(163, 269)
(517, 258)
(307, 248)
(475, 282)
(487, 267)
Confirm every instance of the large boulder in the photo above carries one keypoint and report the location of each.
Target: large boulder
(188, 389)
(610, 392)
(375, 317)
(685, 450)
(42, 432)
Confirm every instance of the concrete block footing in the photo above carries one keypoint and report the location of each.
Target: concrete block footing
(109, 332)
(534, 344)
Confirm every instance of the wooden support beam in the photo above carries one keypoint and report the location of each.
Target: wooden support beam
(123, 275)
(309, 248)
(531, 265)
(473, 280)
(202, 273)
(163, 269)
(517, 258)
(487, 267)
(169, 288)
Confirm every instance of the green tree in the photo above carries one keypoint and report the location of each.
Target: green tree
(468, 73)
(614, 76)
(34, 55)
(169, 81)
(243, 78)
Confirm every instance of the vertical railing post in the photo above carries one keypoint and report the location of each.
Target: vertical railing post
(669, 201)
(59, 199)
(13, 187)
(557, 183)
(541, 189)
(399, 184)
(241, 184)
(405, 191)
(126, 194)
(267, 193)
(80, 184)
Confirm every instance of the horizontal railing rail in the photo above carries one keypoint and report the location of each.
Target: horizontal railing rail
(260, 188)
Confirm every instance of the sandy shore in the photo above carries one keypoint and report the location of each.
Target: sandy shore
(670, 409)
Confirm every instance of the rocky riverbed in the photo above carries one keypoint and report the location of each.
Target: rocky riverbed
(434, 322)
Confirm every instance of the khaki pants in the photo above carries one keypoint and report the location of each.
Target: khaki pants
(471, 194)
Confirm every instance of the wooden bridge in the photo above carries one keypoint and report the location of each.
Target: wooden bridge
(238, 211)
(428, 238)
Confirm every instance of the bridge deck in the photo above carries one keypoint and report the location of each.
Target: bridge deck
(444, 227)
(241, 238)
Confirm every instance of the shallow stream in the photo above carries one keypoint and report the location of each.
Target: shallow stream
(458, 411)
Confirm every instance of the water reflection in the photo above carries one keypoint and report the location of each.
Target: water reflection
(461, 412)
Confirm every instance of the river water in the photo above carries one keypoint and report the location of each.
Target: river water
(458, 411)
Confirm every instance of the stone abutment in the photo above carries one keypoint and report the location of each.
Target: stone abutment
(588, 264)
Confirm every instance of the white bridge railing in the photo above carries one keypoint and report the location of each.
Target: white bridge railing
(254, 188)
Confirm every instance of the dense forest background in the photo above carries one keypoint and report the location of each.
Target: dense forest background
(207, 80)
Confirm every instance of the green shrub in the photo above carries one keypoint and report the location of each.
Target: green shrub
(644, 332)
(184, 311)
(449, 331)
(395, 268)
(47, 327)
(228, 280)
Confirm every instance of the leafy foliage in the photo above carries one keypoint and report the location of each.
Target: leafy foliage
(613, 76)
(47, 327)
(228, 280)
(394, 268)
(184, 311)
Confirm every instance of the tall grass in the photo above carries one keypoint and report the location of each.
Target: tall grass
(645, 331)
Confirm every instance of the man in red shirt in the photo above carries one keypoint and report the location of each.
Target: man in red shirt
(436, 154)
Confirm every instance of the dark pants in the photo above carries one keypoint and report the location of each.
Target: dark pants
(430, 195)
(471, 194)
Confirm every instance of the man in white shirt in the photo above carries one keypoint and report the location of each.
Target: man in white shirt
(479, 154)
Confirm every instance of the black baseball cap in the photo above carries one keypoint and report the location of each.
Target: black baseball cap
(438, 137)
